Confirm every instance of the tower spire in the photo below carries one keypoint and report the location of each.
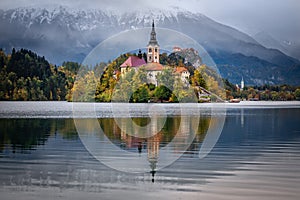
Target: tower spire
(153, 47)
(153, 40)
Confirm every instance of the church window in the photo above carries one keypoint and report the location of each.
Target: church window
(155, 49)
(150, 50)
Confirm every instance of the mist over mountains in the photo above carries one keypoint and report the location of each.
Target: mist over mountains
(64, 34)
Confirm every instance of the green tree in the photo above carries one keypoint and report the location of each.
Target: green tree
(84, 87)
(166, 78)
(123, 90)
(3, 59)
(274, 96)
(141, 95)
(162, 93)
(183, 93)
(297, 94)
(198, 80)
(139, 78)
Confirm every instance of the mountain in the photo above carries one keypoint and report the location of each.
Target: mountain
(287, 47)
(62, 34)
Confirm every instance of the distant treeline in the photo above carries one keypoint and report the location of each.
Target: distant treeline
(26, 76)
(263, 92)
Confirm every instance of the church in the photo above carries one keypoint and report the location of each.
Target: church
(152, 65)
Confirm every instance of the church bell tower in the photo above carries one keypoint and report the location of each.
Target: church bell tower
(153, 47)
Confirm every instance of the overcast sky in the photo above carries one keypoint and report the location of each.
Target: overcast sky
(280, 18)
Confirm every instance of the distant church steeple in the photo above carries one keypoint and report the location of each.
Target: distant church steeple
(242, 83)
(153, 47)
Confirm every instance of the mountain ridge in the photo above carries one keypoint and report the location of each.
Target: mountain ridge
(63, 34)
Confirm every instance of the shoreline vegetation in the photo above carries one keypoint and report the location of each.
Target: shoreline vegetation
(26, 76)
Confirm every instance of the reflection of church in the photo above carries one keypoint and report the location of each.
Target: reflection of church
(128, 134)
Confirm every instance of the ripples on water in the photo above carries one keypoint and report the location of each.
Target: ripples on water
(256, 157)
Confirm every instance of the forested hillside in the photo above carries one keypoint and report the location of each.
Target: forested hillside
(26, 76)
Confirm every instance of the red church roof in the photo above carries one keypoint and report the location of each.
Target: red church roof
(133, 61)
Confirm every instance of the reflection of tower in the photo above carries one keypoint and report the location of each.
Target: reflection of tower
(153, 146)
(242, 83)
(242, 117)
(153, 47)
(153, 152)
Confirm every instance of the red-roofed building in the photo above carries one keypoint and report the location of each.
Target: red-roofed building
(132, 61)
(176, 49)
(183, 73)
(180, 70)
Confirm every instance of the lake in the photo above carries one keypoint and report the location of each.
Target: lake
(60, 150)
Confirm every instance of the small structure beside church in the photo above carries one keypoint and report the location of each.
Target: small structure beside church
(183, 74)
(153, 69)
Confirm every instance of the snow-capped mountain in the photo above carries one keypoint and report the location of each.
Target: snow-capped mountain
(62, 34)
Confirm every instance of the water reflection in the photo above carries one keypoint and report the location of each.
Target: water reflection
(242, 117)
(257, 159)
(172, 127)
(121, 145)
(181, 127)
(24, 135)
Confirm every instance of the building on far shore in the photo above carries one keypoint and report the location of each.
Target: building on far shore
(242, 83)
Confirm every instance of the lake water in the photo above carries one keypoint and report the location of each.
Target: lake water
(43, 155)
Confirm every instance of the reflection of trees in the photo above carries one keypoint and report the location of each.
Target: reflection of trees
(26, 134)
(66, 128)
(203, 126)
